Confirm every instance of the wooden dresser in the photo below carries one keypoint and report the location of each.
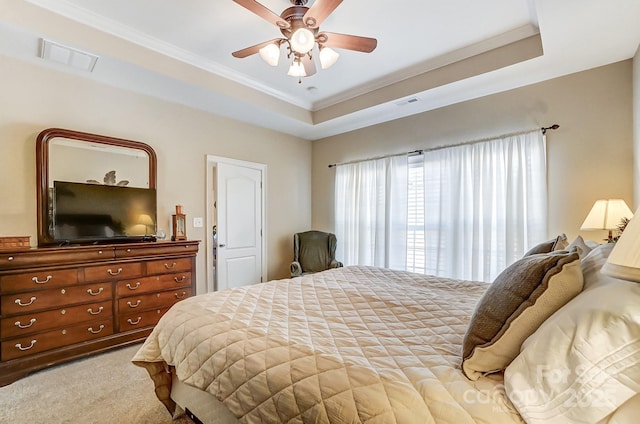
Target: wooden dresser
(62, 303)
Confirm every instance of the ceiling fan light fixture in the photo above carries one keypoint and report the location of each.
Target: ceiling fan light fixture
(297, 69)
(302, 40)
(270, 54)
(300, 26)
(328, 57)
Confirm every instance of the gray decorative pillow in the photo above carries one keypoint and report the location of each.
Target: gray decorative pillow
(521, 298)
(557, 243)
(581, 246)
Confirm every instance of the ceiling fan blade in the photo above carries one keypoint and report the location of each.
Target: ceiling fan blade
(254, 49)
(349, 42)
(263, 12)
(309, 65)
(319, 12)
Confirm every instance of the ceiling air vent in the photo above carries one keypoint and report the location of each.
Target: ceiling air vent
(407, 101)
(69, 56)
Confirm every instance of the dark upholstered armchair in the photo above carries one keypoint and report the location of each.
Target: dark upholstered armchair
(313, 251)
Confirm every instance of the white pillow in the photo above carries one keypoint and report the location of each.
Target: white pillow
(591, 243)
(593, 262)
(584, 361)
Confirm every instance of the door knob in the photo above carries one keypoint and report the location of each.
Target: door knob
(222, 245)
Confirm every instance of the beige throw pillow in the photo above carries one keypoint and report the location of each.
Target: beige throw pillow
(521, 298)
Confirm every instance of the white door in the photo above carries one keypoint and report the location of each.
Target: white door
(239, 209)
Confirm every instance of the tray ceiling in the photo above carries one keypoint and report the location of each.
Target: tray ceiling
(430, 53)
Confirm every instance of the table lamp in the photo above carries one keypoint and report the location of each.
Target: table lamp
(607, 215)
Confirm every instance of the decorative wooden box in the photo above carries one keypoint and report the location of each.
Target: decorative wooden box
(12, 243)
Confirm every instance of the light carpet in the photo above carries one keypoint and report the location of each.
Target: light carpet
(102, 389)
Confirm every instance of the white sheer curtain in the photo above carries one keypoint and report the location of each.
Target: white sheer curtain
(463, 212)
(371, 212)
(484, 204)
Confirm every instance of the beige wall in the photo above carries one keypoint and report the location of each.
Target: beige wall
(35, 98)
(589, 157)
(636, 129)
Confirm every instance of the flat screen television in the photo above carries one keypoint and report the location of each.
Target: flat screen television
(90, 213)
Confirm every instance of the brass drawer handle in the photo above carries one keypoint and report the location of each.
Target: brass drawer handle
(184, 294)
(20, 325)
(114, 273)
(136, 322)
(19, 345)
(92, 312)
(167, 266)
(90, 291)
(131, 305)
(35, 280)
(19, 302)
(130, 287)
(92, 331)
(181, 280)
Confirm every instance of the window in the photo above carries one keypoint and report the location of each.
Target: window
(416, 254)
(464, 212)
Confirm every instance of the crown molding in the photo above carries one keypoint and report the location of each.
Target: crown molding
(109, 26)
(458, 55)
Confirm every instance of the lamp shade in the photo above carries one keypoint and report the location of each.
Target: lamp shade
(302, 41)
(624, 259)
(297, 69)
(328, 57)
(270, 54)
(606, 215)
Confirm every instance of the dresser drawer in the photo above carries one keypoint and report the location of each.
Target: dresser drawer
(128, 305)
(109, 272)
(153, 283)
(28, 345)
(168, 265)
(156, 249)
(40, 257)
(46, 299)
(143, 319)
(38, 280)
(32, 323)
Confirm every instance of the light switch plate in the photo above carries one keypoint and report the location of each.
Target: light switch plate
(197, 222)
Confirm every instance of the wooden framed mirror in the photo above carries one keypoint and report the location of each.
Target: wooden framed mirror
(79, 157)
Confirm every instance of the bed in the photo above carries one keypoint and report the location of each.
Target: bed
(347, 345)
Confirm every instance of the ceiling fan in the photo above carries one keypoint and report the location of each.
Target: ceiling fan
(300, 26)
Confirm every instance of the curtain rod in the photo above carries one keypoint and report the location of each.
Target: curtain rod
(421, 151)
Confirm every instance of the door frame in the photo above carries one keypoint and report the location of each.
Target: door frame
(211, 163)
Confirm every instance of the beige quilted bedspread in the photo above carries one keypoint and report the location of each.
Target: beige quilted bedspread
(349, 345)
